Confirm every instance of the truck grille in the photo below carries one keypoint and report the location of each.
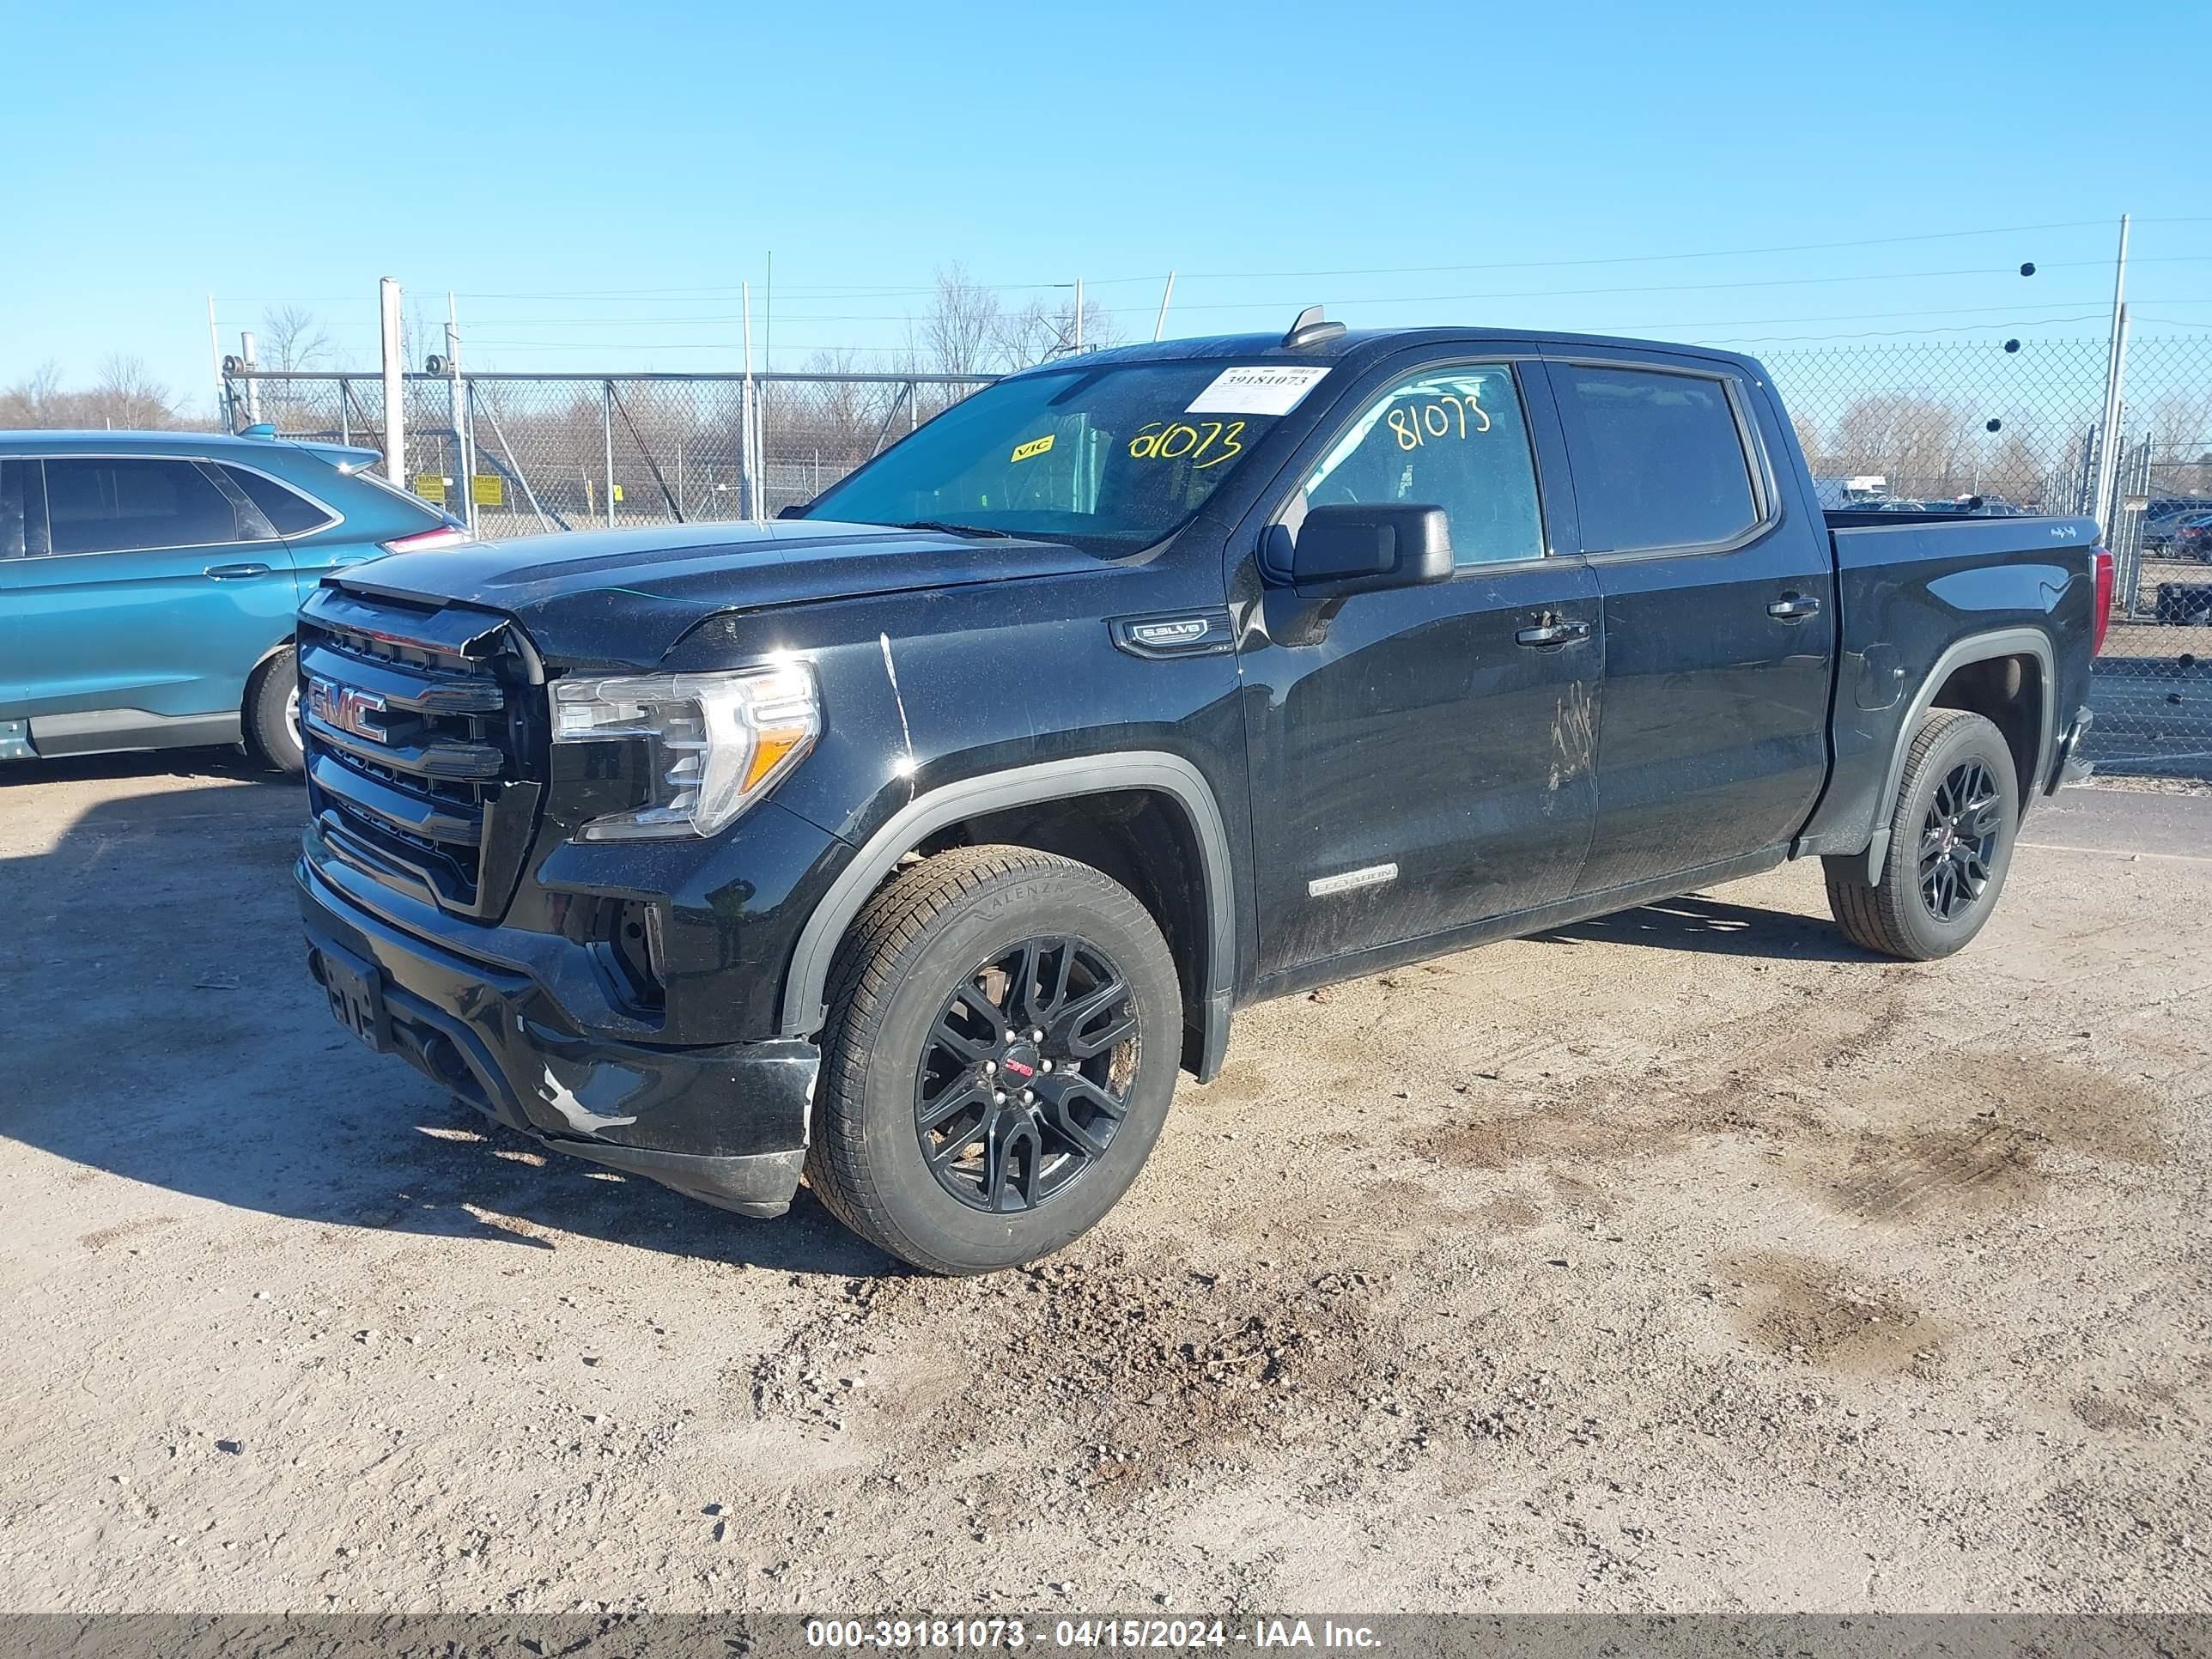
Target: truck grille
(425, 741)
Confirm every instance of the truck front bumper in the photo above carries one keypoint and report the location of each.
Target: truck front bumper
(726, 1124)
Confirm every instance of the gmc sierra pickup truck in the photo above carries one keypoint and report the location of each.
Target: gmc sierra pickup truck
(915, 843)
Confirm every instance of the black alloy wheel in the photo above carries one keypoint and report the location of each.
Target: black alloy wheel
(1025, 1074)
(1959, 841)
(1951, 833)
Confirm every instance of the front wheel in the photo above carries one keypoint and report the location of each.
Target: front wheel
(1950, 844)
(1004, 1030)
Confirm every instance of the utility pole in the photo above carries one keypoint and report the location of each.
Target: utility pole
(395, 385)
(215, 359)
(1078, 316)
(2116, 364)
(252, 385)
(1166, 295)
(464, 440)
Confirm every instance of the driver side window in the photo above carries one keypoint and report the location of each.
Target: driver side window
(1453, 438)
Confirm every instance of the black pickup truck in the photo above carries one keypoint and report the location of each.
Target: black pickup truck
(915, 843)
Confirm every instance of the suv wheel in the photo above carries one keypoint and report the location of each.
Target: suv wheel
(272, 713)
(1005, 1029)
(1950, 844)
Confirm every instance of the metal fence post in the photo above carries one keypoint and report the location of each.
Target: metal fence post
(252, 385)
(395, 388)
(607, 431)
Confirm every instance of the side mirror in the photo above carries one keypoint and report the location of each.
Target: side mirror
(1354, 548)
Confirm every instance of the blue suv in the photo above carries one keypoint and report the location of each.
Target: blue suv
(147, 581)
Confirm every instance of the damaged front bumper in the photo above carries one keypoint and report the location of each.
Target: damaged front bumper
(726, 1124)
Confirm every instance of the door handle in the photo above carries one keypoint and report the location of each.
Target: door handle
(1794, 607)
(230, 572)
(1553, 633)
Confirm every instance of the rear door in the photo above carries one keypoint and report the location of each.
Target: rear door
(160, 589)
(1720, 617)
(1420, 756)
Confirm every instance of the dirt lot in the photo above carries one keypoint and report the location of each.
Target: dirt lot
(1687, 1259)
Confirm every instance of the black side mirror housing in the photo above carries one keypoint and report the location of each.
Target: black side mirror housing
(1354, 548)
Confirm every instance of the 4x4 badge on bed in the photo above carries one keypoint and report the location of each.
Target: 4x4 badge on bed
(348, 707)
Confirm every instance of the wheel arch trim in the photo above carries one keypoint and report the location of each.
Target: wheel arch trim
(1964, 653)
(806, 1009)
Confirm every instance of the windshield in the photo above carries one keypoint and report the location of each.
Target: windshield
(1114, 456)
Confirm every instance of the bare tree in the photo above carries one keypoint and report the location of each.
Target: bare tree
(293, 337)
(1044, 329)
(125, 396)
(2181, 446)
(32, 400)
(960, 334)
(1920, 445)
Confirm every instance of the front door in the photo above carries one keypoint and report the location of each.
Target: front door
(1720, 619)
(1421, 756)
(153, 600)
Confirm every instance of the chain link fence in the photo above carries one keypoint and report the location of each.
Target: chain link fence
(2016, 423)
(2019, 424)
(519, 453)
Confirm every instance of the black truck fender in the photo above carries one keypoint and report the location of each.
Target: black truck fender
(1977, 647)
(806, 1010)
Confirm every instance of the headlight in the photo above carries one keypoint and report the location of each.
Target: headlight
(718, 742)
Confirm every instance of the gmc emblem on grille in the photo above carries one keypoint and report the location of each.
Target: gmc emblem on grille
(348, 707)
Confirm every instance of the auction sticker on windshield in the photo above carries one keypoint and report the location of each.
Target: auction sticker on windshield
(1256, 391)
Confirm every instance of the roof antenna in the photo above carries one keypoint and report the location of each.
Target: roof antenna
(1311, 328)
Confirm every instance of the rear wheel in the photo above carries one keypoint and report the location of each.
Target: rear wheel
(272, 713)
(1004, 1030)
(1950, 844)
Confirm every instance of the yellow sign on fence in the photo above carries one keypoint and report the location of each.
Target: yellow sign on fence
(430, 487)
(488, 490)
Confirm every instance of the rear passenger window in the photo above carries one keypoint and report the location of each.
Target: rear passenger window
(1452, 438)
(102, 506)
(292, 514)
(1658, 459)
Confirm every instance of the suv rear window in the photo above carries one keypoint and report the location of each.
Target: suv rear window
(99, 505)
(289, 512)
(1659, 461)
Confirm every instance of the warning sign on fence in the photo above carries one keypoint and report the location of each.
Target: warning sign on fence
(430, 487)
(488, 490)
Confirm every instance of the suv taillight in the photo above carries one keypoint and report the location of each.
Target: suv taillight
(427, 541)
(2100, 565)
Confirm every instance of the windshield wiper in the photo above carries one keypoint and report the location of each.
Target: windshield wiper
(957, 529)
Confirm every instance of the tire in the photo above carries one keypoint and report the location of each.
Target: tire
(908, 1034)
(1919, 910)
(272, 713)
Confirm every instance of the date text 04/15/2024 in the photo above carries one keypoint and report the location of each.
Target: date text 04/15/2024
(1109, 1633)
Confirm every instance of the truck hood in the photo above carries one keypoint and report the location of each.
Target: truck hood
(627, 595)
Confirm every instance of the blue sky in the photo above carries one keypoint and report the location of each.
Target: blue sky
(595, 180)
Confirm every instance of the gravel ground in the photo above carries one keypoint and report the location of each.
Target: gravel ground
(1686, 1259)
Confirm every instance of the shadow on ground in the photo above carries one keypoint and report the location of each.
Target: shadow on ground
(163, 1028)
(1699, 923)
